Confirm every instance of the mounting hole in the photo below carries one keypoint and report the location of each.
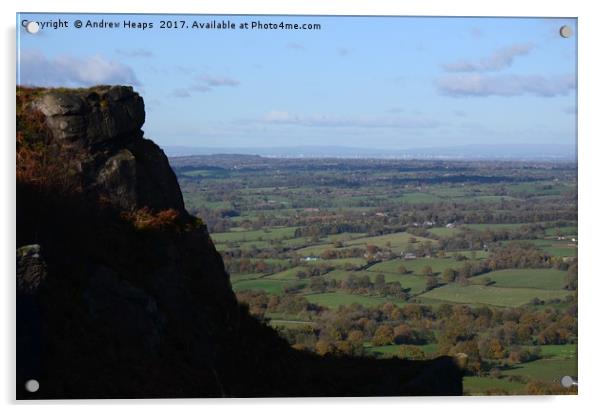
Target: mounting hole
(567, 381)
(566, 31)
(32, 27)
(32, 386)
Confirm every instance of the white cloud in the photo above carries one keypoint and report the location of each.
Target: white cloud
(35, 69)
(498, 60)
(505, 85)
(206, 83)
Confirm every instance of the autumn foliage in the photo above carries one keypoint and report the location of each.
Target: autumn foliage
(38, 163)
(146, 219)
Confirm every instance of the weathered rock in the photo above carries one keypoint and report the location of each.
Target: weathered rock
(100, 129)
(31, 269)
(92, 116)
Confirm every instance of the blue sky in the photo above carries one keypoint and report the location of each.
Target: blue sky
(380, 82)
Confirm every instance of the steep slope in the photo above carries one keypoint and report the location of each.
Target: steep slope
(121, 293)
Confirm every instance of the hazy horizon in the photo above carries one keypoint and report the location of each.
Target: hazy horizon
(476, 152)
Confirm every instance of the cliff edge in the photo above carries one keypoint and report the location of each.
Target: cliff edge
(121, 293)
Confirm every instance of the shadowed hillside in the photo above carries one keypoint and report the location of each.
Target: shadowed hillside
(121, 293)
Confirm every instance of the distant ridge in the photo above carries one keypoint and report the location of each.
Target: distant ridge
(477, 152)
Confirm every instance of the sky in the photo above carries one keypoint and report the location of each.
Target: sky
(367, 82)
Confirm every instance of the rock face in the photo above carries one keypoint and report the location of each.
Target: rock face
(109, 309)
(100, 128)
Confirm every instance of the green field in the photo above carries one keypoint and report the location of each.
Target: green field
(234, 278)
(562, 351)
(254, 235)
(557, 248)
(475, 385)
(550, 370)
(443, 231)
(564, 231)
(341, 262)
(446, 232)
(290, 274)
(344, 236)
(483, 227)
(416, 284)
(491, 295)
(393, 349)
(291, 324)
(418, 198)
(397, 241)
(269, 286)
(545, 279)
(416, 266)
(315, 250)
(334, 300)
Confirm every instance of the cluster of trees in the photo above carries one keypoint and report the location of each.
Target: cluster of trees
(330, 254)
(477, 239)
(518, 254)
(259, 303)
(490, 337)
(249, 266)
(364, 285)
(325, 229)
(357, 284)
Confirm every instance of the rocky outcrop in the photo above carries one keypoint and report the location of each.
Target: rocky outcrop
(110, 308)
(100, 128)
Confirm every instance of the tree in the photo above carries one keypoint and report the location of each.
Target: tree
(427, 270)
(431, 282)
(318, 284)
(403, 334)
(402, 269)
(496, 349)
(379, 281)
(301, 275)
(449, 275)
(570, 282)
(383, 336)
(355, 336)
(411, 352)
(324, 347)
(371, 249)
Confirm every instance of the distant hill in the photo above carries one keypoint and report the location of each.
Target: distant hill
(496, 152)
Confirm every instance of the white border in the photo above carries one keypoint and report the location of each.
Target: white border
(590, 352)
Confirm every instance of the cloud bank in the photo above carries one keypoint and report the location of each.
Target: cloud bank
(35, 69)
(498, 60)
(505, 85)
